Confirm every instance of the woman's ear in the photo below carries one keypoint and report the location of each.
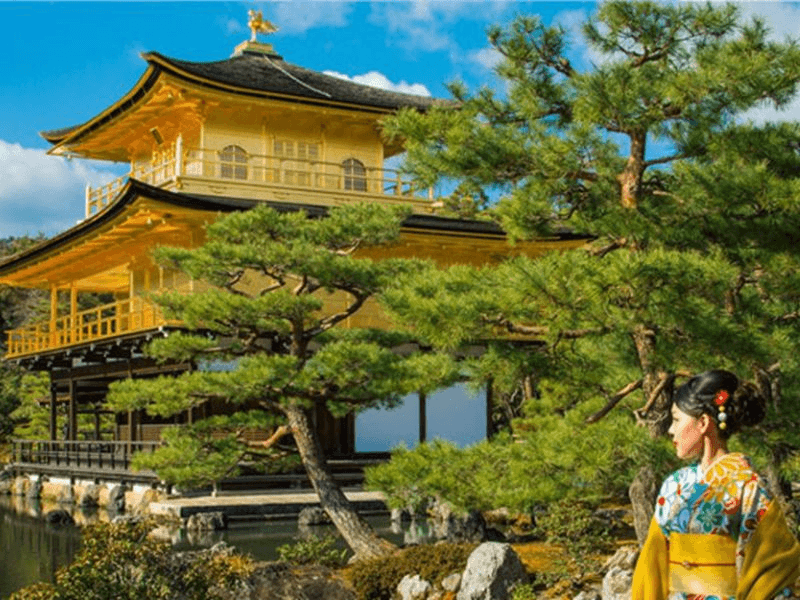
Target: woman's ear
(704, 422)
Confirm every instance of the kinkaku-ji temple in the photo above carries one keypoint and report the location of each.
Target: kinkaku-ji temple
(203, 139)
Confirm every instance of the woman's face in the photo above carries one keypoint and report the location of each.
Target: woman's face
(687, 433)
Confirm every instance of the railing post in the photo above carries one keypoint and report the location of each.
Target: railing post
(88, 194)
(179, 156)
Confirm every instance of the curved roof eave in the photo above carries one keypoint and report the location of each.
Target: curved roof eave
(134, 189)
(131, 191)
(60, 137)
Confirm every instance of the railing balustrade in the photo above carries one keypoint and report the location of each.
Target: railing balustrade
(264, 170)
(100, 454)
(107, 320)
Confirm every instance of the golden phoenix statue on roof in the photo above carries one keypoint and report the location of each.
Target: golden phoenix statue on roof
(258, 24)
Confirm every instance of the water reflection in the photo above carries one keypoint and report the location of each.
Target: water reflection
(31, 550)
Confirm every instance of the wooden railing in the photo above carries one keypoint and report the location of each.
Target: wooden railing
(83, 454)
(264, 170)
(108, 320)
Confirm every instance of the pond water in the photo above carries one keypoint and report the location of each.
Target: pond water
(31, 550)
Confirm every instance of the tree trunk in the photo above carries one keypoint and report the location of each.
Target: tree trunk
(630, 180)
(657, 417)
(361, 538)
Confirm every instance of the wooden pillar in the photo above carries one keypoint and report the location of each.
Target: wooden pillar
(179, 156)
(53, 412)
(96, 422)
(72, 433)
(73, 313)
(423, 418)
(53, 314)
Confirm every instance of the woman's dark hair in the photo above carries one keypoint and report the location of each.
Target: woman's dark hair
(745, 406)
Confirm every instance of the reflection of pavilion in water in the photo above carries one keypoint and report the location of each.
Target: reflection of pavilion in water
(30, 549)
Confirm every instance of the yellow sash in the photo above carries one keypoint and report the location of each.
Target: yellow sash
(702, 564)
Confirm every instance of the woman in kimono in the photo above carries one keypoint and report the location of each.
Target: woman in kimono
(716, 532)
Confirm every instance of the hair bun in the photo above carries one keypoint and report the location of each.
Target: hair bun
(748, 406)
(745, 406)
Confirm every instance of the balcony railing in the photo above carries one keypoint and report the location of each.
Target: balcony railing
(83, 454)
(108, 320)
(262, 171)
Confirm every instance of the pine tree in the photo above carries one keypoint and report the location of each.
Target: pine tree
(283, 286)
(691, 214)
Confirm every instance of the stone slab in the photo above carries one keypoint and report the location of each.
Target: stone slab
(275, 506)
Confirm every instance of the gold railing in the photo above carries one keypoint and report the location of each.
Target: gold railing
(269, 171)
(109, 320)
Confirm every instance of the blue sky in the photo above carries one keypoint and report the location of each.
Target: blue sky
(64, 62)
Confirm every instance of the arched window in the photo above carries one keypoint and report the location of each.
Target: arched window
(233, 163)
(355, 175)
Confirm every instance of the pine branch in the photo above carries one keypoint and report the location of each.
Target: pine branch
(615, 399)
(665, 159)
(275, 437)
(614, 245)
(332, 320)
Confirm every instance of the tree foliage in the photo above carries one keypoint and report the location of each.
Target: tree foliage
(274, 344)
(690, 210)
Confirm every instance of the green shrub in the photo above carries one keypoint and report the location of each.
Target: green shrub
(574, 526)
(524, 591)
(314, 550)
(378, 579)
(551, 458)
(120, 561)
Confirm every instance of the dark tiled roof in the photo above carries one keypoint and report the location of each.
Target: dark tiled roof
(272, 74)
(260, 74)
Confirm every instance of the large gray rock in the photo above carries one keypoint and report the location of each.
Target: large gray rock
(34, 489)
(90, 497)
(413, 588)
(492, 569)
(617, 584)
(451, 583)
(312, 515)
(642, 493)
(207, 521)
(624, 558)
(59, 517)
(447, 525)
(116, 499)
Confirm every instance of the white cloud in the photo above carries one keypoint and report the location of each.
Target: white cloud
(426, 24)
(487, 58)
(42, 193)
(296, 17)
(232, 26)
(782, 18)
(379, 80)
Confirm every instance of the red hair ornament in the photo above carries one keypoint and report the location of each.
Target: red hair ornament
(720, 399)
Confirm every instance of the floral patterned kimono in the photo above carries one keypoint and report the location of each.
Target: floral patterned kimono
(717, 535)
